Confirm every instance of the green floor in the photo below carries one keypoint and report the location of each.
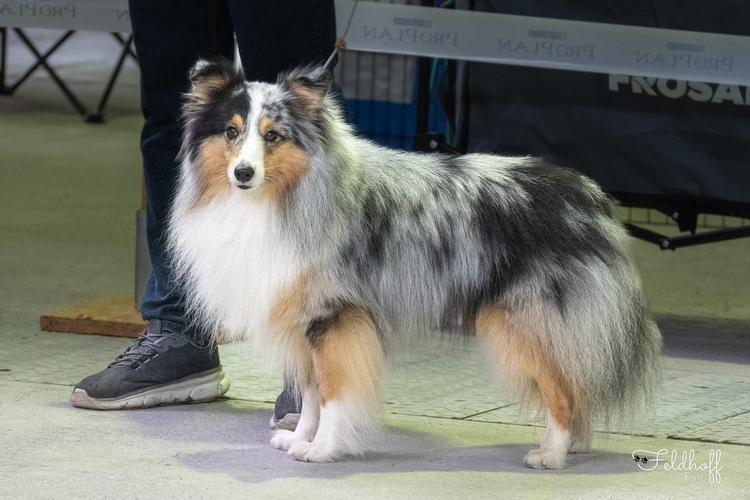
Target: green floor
(68, 196)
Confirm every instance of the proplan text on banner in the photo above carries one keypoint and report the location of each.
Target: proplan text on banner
(549, 43)
(79, 15)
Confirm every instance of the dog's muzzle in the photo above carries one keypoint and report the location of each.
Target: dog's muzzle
(244, 174)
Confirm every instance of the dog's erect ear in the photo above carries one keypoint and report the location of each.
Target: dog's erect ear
(208, 77)
(308, 88)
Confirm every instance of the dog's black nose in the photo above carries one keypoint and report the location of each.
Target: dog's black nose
(244, 174)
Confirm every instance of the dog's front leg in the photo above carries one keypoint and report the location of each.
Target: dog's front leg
(348, 363)
(308, 421)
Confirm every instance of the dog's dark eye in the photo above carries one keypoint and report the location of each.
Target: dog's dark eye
(271, 136)
(231, 133)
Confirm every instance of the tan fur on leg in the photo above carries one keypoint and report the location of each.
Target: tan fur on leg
(349, 364)
(520, 355)
(559, 401)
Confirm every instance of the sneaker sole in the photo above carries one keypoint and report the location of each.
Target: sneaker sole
(194, 389)
(288, 423)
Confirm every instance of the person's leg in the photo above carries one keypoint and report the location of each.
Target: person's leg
(277, 36)
(171, 362)
(169, 38)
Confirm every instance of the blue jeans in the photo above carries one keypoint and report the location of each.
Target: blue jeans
(272, 36)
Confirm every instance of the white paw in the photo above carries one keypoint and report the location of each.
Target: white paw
(283, 439)
(310, 452)
(578, 445)
(544, 459)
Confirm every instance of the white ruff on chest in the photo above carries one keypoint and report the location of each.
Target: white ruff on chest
(235, 263)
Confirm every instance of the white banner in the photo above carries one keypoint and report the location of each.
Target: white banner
(473, 36)
(548, 43)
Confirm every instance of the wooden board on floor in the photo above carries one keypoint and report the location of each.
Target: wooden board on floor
(113, 316)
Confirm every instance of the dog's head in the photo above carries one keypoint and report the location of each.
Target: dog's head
(252, 136)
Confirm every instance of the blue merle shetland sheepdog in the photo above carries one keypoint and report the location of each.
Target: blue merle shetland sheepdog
(290, 231)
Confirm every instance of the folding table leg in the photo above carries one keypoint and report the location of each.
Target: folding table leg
(95, 116)
(3, 50)
(42, 61)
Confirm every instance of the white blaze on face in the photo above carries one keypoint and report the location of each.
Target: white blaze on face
(252, 149)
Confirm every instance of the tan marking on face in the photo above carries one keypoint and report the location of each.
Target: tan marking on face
(284, 164)
(349, 359)
(216, 154)
(213, 162)
(237, 122)
(522, 353)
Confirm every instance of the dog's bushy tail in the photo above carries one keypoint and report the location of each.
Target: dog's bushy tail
(621, 362)
(606, 343)
(610, 345)
(595, 343)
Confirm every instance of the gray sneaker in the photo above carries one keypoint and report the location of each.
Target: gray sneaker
(162, 367)
(287, 410)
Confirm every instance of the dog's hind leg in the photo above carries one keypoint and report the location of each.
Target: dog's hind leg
(518, 354)
(557, 435)
(349, 364)
(580, 440)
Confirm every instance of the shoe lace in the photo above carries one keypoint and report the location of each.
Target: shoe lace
(145, 346)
